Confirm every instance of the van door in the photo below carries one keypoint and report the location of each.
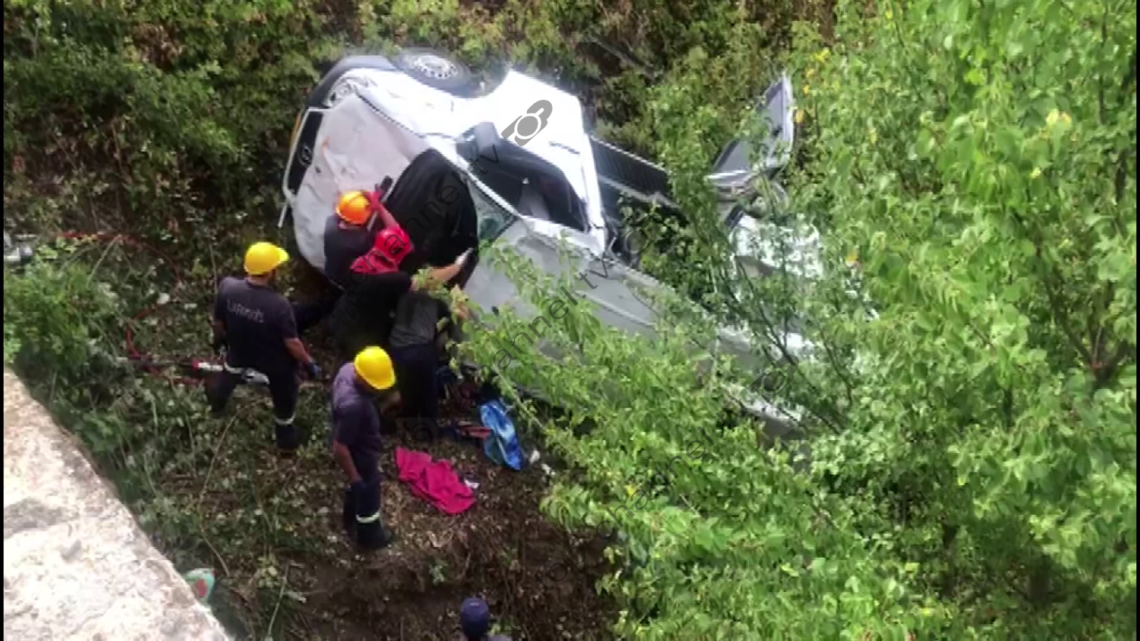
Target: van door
(355, 148)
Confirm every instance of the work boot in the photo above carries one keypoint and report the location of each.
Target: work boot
(373, 536)
(289, 438)
(370, 531)
(213, 397)
(217, 411)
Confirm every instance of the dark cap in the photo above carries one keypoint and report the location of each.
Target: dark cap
(474, 618)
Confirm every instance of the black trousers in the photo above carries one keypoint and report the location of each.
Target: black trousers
(309, 314)
(361, 513)
(415, 376)
(283, 389)
(352, 331)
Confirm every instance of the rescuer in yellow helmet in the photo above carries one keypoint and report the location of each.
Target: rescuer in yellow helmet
(258, 328)
(356, 440)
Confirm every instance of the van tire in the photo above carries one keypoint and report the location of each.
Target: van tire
(436, 69)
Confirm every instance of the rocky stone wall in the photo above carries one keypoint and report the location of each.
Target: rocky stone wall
(76, 564)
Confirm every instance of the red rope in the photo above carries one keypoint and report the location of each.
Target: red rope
(132, 352)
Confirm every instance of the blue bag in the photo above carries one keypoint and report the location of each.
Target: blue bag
(502, 446)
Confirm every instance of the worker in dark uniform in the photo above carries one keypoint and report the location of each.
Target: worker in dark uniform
(416, 343)
(257, 326)
(475, 621)
(346, 238)
(373, 284)
(356, 440)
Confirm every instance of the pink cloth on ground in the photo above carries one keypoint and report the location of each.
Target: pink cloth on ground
(434, 482)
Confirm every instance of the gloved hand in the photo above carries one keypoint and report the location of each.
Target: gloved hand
(374, 200)
(312, 370)
(219, 343)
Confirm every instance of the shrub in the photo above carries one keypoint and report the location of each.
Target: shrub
(55, 321)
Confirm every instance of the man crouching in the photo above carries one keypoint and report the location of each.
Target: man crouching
(358, 389)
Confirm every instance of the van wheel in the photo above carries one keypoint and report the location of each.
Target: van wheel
(436, 69)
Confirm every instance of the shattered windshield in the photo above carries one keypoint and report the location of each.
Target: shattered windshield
(493, 218)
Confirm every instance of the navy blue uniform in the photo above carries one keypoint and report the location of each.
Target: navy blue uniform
(356, 425)
(363, 315)
(342, 246)
(258, 321)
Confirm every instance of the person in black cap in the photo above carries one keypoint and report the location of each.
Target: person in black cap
(475, 621)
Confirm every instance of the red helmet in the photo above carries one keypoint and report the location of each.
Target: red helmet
(394, 244)
(391, 247)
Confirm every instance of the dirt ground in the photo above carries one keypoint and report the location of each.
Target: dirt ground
(502, 549)
(537, 579)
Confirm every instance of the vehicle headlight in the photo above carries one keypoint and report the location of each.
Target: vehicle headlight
(345, 86)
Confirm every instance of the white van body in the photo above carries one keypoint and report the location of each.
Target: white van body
(373, 121)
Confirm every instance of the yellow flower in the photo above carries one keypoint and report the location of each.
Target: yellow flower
(810, 72)
(1035, 174)
(1066, 118)
(799, 116)
(807, 90)
(889, 14)
(874, 137)
(852, 257)
(1052, 118)
(822, 54)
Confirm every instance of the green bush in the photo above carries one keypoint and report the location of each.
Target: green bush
(989, 193)
(55, 320)
(157, 116)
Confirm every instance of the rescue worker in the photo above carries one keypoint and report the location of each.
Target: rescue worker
(372, 284)
(346, 238)
(475, 621)
(415, 346)
(258, 327)
(356, 440)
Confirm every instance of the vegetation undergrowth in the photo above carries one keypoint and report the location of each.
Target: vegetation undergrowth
(969, 407)
(969, 402)
(205, 499)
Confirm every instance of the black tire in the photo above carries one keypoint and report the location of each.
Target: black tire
(436, 69)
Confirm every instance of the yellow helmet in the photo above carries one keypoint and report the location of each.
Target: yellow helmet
(375, 366)
(262, 258)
